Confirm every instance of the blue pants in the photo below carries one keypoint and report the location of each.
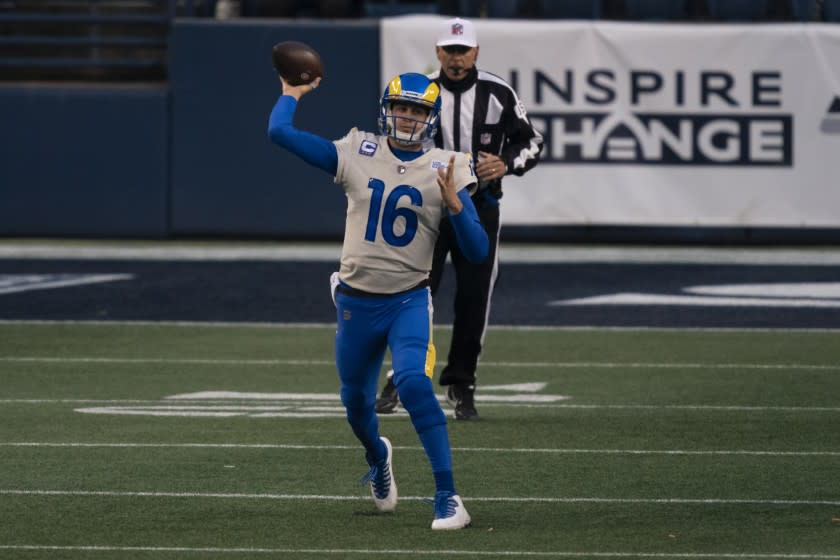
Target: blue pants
(367, 326)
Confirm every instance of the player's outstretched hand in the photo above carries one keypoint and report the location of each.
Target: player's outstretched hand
(446, 182)
(298, 91)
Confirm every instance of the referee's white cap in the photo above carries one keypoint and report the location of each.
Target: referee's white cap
(457, 31)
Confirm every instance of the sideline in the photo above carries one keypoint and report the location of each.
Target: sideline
(331, 252)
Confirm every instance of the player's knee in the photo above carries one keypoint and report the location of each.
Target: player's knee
(353, 398)
(418, 397)
(359, 416)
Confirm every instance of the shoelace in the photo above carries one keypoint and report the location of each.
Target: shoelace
(443, 503)
(379, 476)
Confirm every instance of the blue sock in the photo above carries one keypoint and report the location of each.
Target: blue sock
(366, 427)
(444, 481)
(435, 441)
(418, 397)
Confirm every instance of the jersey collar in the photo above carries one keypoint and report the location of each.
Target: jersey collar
(461, 85)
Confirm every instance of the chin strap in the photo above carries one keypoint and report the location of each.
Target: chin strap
(415, 137)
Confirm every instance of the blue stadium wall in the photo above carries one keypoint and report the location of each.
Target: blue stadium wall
(192, 158)
(85, 161)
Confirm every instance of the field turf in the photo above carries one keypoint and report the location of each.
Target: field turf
(122, 440)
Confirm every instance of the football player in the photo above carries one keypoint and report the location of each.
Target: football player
(397, 194)
(482, 114)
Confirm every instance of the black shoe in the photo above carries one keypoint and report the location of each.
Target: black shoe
(388, 398)
(462, 397)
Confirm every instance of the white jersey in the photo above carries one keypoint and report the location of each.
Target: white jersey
(394, 209)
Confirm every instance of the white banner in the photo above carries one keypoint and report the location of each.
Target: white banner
(662, 124)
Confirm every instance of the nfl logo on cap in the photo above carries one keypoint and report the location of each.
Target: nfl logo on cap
(457, 31)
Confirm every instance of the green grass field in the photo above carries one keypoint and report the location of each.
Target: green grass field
(666, 444)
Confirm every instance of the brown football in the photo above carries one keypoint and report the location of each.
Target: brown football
(297, 62)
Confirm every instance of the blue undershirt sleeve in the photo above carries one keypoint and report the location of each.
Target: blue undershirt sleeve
(470, 234)
(311, 148)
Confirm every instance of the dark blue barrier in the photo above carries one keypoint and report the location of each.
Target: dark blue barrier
(83, 161)
(227, 178)
(193, 158)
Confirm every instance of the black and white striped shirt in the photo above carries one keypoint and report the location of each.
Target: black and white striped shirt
(483, 113)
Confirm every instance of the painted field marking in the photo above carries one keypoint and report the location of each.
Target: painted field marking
(15, 283)
(331, 252)
(196, 361)
(278, 405)
(356, 498)
(631, 298)
(775, 294)
(503, 364)
(513, 450)
(331, 326)
(558, 406)
(426, 552)
(236, 395)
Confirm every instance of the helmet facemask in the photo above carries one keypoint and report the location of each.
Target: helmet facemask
(407, 128)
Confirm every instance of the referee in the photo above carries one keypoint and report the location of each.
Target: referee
(482, 115)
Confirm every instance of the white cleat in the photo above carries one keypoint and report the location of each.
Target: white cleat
(450, 512)
(383, 487)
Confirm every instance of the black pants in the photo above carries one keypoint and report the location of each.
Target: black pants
(473, 290)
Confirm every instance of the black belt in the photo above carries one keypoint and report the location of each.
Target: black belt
(347, 290)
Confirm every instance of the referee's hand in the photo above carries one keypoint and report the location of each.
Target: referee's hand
(490, 167)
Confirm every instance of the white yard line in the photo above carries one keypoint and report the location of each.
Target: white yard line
(697, 408)
(303, 362)
(356, 498)
(267, 325)
(331, 252)
(331, 326)
(425, 552)
(513, 450)
(184, 324)
(197, 361)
